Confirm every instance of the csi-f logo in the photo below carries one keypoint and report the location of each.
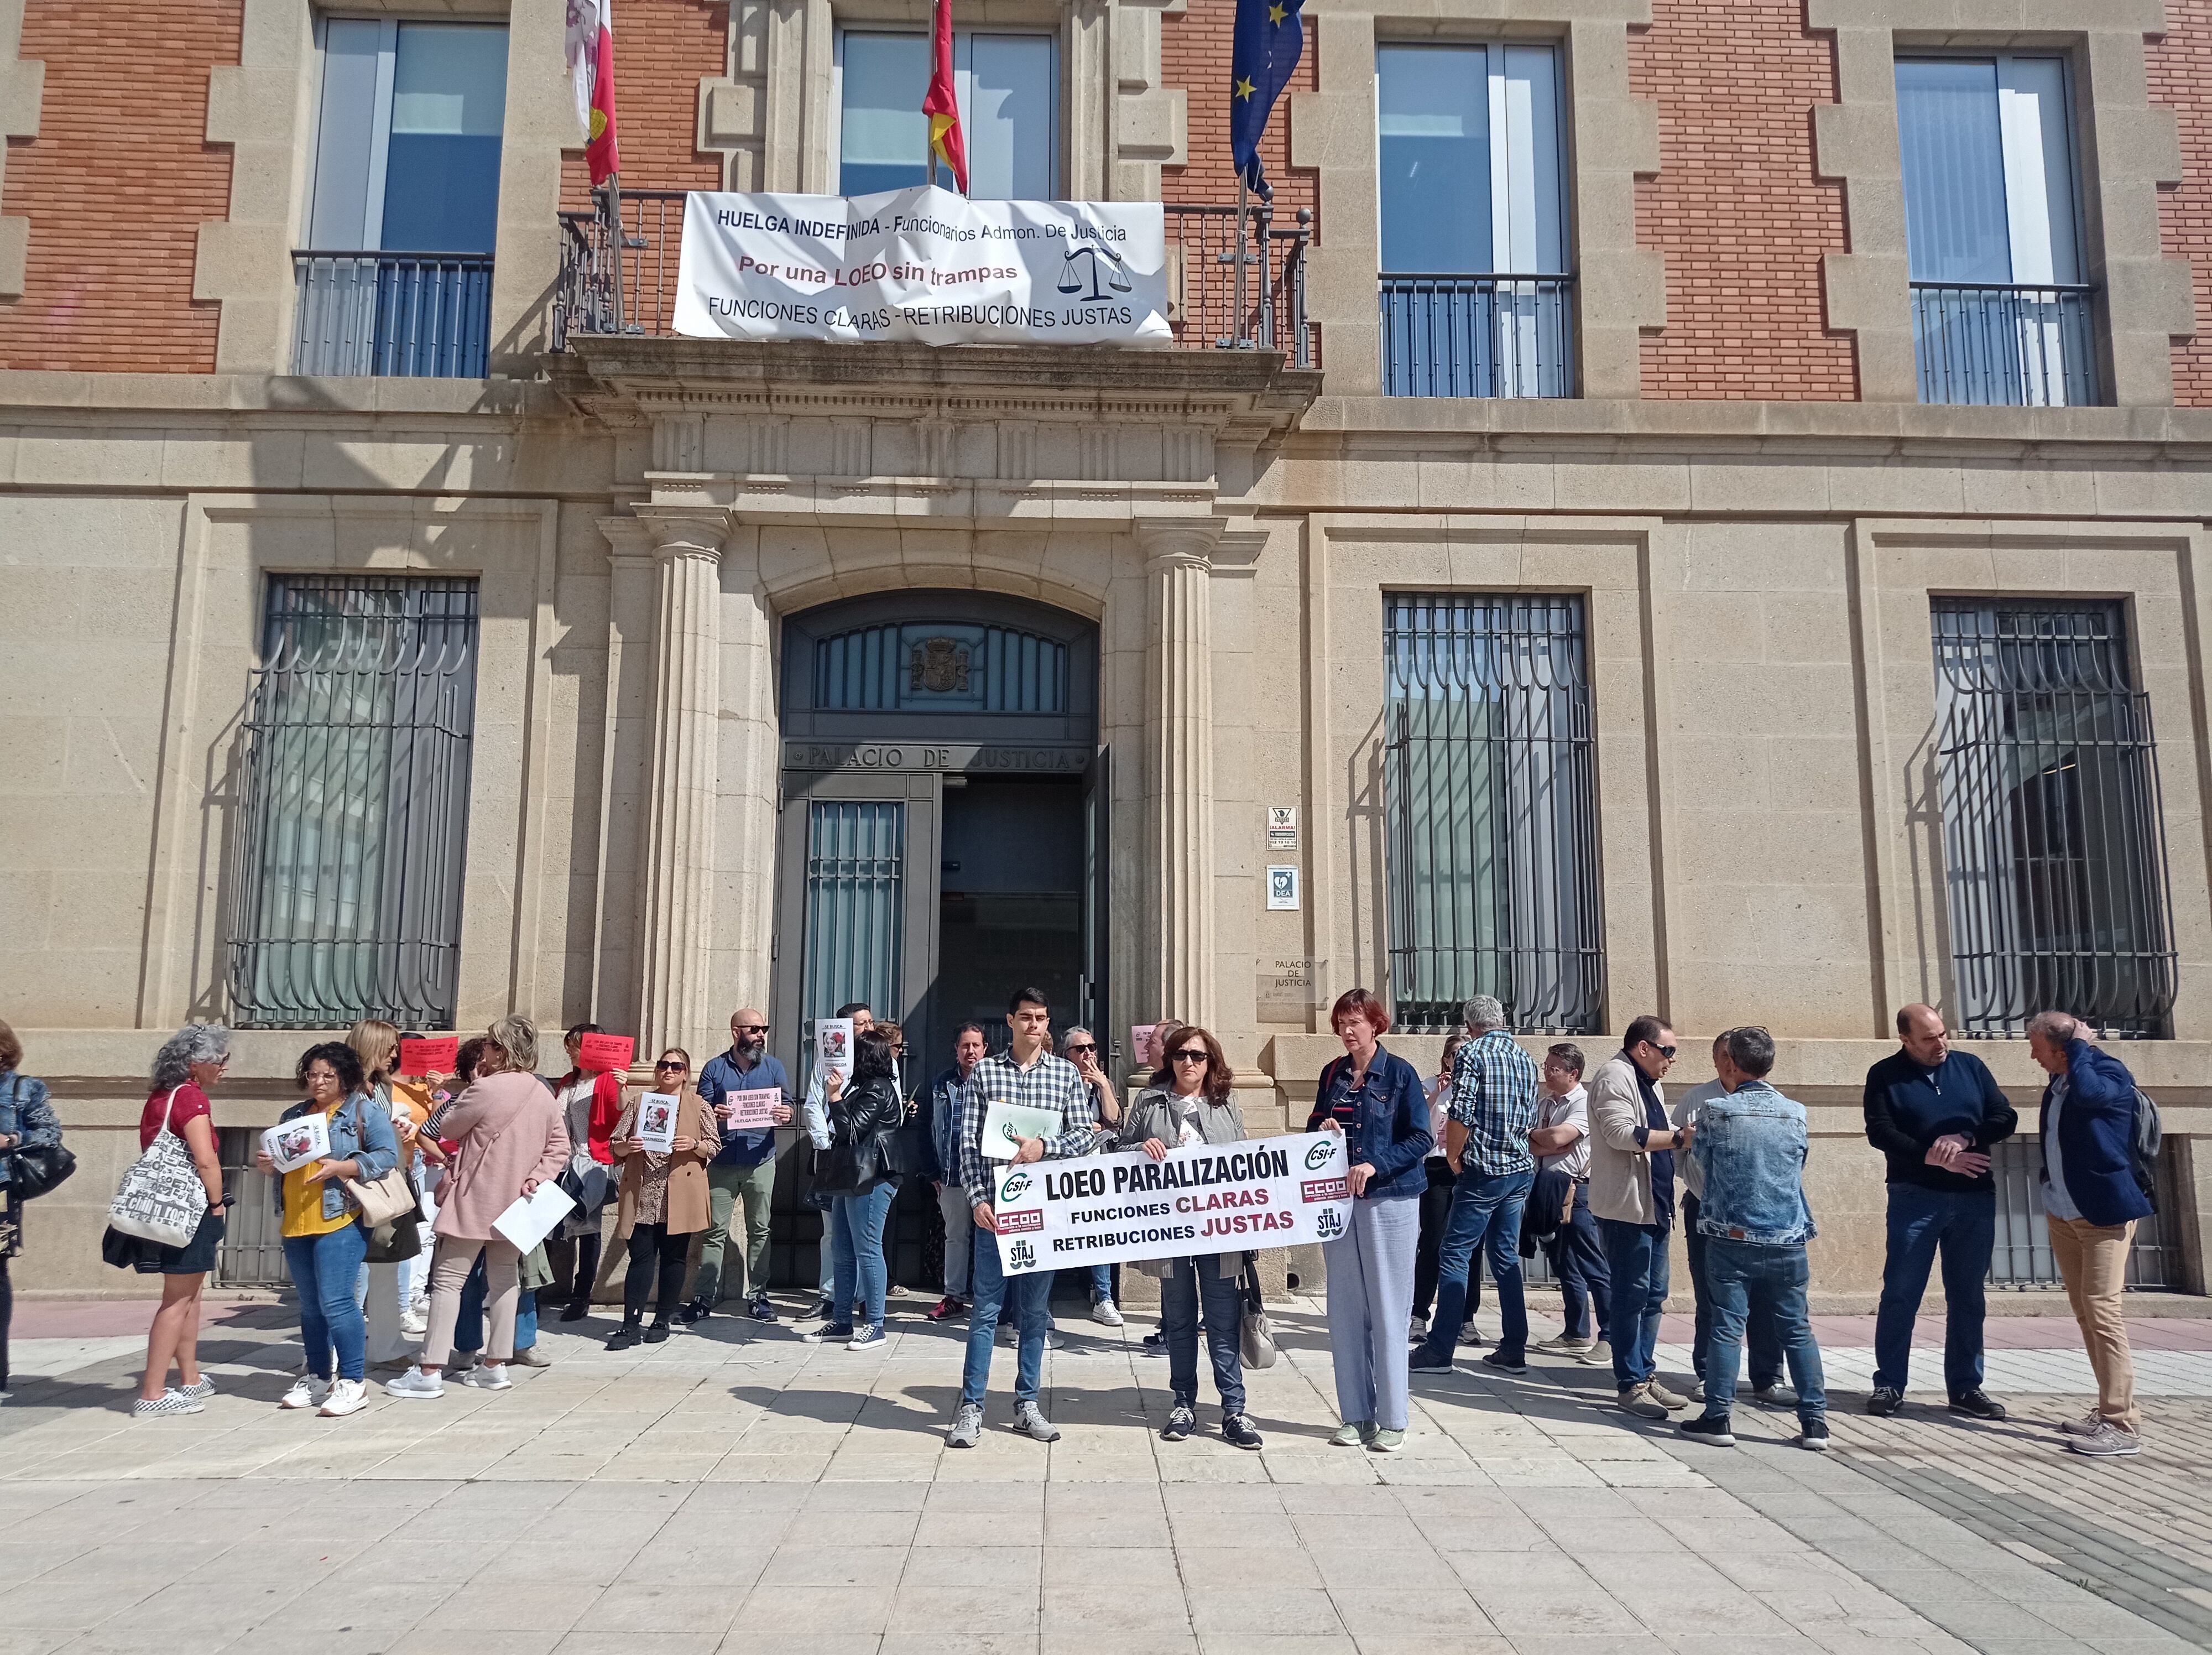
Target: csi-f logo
(1328, 1223)
(1320, 1155)
(1015, 1183)
(1021, 1257)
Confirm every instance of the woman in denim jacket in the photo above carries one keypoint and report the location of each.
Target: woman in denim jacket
(1376, 1101)
(27, 1121)
(324, 1241)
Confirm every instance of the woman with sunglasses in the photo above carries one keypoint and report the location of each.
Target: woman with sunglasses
(664, 1201)
(1082, 1050)
(1194, 1107)
(1375, 1101)
(511, 1139)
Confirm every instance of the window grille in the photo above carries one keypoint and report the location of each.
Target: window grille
(2022, 1257)
(855, 908)
(2052, 831)
(1492, 810)
(353, 804)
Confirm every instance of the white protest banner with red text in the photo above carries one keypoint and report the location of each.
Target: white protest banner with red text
(1210, 1198)
(923, 264)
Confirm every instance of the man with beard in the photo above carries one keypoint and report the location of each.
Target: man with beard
(742, 1177)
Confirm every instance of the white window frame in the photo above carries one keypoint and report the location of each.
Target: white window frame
(1512, 209)
(961, 39)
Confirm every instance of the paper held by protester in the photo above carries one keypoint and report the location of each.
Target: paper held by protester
(295, 1144)
(833, 1045)
(749, 1111)
(1211, 1198)
(1005, 1126)
(925, 267)
(531, 1219)
(431, 1054)
(656, 1122)
(604, 1054)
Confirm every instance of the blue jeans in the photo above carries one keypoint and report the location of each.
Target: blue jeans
(1963, 1223)
(1028, 1296)
(1766, 1344)
(1637, 1256)
(1101, 1280)
(1484, 1204)
(468, 1324)
(1191, 1281)
(1760, 1284)
(1577, 1255)
(856, 1250)
(324, 1269)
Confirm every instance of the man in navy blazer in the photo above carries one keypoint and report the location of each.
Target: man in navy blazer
(2092, 1200)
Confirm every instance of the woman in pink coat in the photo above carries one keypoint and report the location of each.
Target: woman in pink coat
(511, 1139)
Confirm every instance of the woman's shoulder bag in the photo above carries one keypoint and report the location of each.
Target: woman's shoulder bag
(161, 1198)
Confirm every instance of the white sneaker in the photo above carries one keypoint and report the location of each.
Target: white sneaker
(487, 1376)
(306, 1391)
(415, 1386)
(347, 1397)
(414, 1326)
(1419, 1330)
(169, 1402)
(202, 1388)
(1105, 1313)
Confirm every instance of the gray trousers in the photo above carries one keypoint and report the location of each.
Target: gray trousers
(1370, 1300)
(959, 1236)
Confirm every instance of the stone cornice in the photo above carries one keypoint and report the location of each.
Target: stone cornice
(1248, 395)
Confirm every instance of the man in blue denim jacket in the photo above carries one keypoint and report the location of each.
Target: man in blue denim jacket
(1750, 1148)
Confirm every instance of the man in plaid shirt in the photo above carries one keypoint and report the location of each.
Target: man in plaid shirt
(1495, 1086)
(1028, 1076)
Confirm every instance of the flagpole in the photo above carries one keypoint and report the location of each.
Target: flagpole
(1237, 320)
(616, 241)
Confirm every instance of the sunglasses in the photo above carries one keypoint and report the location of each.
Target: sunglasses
(750, 1028)
(1191, 1055)
(679, 1067)
(1077, 1051)
(1667, 1052)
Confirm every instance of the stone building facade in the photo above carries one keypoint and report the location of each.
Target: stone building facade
(795, 673)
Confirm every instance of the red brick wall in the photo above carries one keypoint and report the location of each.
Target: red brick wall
(116, 186)
(2180, 69)
(1194, 54)
(662, 49)
(1735, 207)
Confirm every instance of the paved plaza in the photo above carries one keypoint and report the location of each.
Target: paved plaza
(737, 1490)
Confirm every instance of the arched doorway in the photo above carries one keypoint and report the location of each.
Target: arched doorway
(942, 837)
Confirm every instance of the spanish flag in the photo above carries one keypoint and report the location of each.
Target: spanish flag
(942, 106)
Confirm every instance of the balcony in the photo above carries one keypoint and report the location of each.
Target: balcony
(1478, 335)
(1225, 293)
(2008, 347)
(423, 314)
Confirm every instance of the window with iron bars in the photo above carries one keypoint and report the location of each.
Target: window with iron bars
(2053, 836)
(352, 798)
(1489, 771)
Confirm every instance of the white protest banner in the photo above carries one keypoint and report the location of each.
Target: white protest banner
(1211, 1198)
(923, 264)
(748, 1112)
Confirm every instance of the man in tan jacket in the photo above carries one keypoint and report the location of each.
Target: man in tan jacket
(1632, 1192)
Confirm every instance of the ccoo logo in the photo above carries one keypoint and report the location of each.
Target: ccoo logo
(1321, 1154)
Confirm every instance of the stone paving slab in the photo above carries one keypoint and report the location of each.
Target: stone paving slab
(734, 1488)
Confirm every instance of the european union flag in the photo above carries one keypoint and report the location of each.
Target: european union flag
(1269, 38)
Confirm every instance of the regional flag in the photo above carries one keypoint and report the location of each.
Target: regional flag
(942, 106)
(1270, 36)
(591, 58)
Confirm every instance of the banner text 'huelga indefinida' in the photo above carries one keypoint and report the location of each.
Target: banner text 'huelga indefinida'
(923, 264)
(1211, 1198)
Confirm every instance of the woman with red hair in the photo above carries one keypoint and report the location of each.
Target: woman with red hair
(1377, 1102)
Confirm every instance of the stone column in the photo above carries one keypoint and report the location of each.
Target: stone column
(1179, 762)
(676, 874)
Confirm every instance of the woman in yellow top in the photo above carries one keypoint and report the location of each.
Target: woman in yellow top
(324, 1242)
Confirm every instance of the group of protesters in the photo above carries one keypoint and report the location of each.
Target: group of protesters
(1596, 1168)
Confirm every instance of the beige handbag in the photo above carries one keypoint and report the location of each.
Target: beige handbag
(383, 1200)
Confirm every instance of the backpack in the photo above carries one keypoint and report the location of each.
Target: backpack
(2142, 1147)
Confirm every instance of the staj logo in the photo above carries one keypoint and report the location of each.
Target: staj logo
(1021, 1256)
(1321, 1154)
(1015, 1184)
(1328, 1223)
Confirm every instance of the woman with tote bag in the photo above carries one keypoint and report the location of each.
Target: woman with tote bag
(176, 1131)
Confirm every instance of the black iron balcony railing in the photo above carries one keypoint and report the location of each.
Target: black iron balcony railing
(424, 314)
(2017, 347)
(1225, 291)
(1478, 335)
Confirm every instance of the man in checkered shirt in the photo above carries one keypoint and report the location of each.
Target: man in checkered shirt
(1493, 1108)
(1027, 1075)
